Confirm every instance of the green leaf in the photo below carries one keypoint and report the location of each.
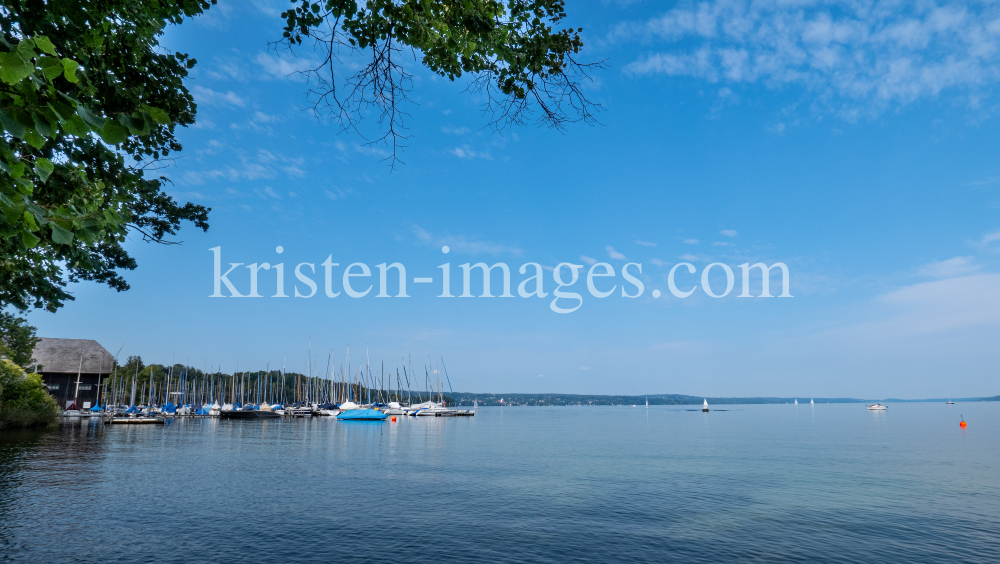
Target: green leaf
(26, 48)
(16, 170)
(75, 126)
(61, 235)
(14, 127)
(158, 115)
(30, 240)
(13, 69)
(51, 67)
(34, 139)
(44, 168)
(29, 220)
(69, 69)
(94, 121)
(113, 133)
(45, 45)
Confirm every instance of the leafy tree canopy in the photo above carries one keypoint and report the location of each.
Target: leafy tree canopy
(17, 339)
(88, 103)
(513, 50)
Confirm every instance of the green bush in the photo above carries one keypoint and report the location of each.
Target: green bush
(24, 401)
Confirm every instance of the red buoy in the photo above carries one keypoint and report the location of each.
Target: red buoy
(394, 418)
(962, 424)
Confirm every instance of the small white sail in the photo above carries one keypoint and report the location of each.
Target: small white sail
(704, 406)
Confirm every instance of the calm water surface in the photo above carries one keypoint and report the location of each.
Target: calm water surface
(773, 483)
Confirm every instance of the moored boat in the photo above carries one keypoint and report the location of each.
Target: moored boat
(877, 407)
(361, 415)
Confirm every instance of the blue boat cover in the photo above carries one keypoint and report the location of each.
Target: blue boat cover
(361, 415)
(169, 408)
(97, 408)
(132, 409)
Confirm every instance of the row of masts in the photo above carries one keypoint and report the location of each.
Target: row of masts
(360, 386)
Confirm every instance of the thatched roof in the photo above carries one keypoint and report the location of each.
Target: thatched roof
(63, 355)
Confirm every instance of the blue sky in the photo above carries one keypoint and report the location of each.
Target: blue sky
(854, 142)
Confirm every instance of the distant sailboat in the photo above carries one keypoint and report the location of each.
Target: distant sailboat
(811, 402)
(796, 402)
(704, 406)
(647, 403)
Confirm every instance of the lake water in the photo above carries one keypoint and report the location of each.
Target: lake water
(765, 483)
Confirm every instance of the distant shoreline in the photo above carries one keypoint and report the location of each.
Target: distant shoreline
(492, 399)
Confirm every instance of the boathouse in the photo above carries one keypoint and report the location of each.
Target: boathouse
(72, 369)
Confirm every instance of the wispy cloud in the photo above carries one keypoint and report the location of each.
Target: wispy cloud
(284, 68)
(464, 245)
(645, 243)
(689, 257)
(452, 130)
(691, 241)
(588, 260)
(728, 232)
(991, 237)
(466, 152)
(263, 165)
(958, 266)
(614, 254)
(722, 244)
(659, 262)
(861, 56)
(210, 97)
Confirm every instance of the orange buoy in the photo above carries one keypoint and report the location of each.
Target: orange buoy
(394, 418)
(962, 424)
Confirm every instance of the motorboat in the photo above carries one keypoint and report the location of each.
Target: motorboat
(434, 410)
(361, 415)
(877, 407)
(248, 412)
(327, 409)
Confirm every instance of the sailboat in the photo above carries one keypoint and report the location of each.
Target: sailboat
(796, 402)
(811, 402)
(704, 407)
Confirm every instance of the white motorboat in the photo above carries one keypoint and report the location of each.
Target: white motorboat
(393, 408)
(877, 407)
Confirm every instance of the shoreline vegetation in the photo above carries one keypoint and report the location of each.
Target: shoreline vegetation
(24, 401)
(466, 398)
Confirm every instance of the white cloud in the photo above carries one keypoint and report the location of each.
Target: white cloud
(266, 118)
(722, 244)
(991, 237)
(932, 307)
(645, 243)
(691, 241)
(264, 165)
(614, 254)
(588, 260)
(210, 97)
(728, 232)
(860, 56)
(284, 68)
(950, 268)
(452, 130)
(465, 152)
(585, 368)
(689, 257)
(659, 262)
(461, 244)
